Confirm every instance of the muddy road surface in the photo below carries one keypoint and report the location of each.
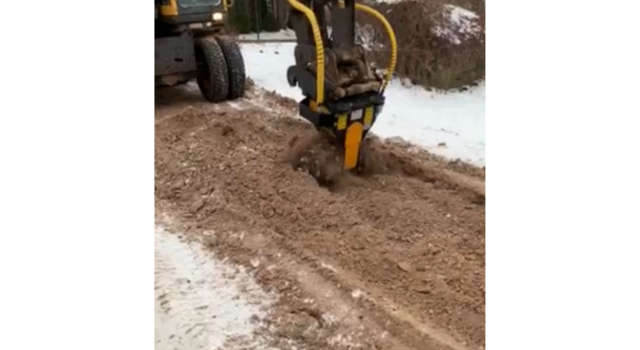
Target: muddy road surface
(394, 259)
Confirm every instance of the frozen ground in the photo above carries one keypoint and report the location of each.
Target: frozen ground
(451, 124)
(201, 302)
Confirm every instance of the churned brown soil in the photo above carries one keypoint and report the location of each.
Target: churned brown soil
(392, 259)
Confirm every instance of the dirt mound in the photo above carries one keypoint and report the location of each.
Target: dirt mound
(439, 45)
(410, 232)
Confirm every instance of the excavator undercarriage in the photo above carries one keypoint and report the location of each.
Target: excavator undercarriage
(343, 93)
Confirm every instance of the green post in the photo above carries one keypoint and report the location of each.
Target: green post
(257, 12)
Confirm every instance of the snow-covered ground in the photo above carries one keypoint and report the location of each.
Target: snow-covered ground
(451, 124)
(285, 34)
(202, 302)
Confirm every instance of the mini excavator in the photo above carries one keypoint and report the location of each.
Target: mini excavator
(342, 93)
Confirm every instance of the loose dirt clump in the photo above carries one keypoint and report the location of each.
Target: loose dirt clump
(318, 155)
(390, 260)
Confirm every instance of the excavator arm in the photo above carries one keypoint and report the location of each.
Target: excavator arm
(342, 92)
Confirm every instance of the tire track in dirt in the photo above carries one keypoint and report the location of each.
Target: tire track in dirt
(202, 303)
(409, 236)
(319, 296)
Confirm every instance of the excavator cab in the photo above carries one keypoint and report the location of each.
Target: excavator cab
(212, 12)
(342, 91)
(190, 44)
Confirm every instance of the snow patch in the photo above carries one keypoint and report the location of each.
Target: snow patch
(365, 34)
(201, 302)
(327, 266)
(459, 25)
(343, 341)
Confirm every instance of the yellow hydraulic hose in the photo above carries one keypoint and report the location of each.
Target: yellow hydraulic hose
(392, 40)
(319, 47)
(227, 4)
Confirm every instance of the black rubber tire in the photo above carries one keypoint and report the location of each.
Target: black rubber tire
(212, 77)
(235, 66)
